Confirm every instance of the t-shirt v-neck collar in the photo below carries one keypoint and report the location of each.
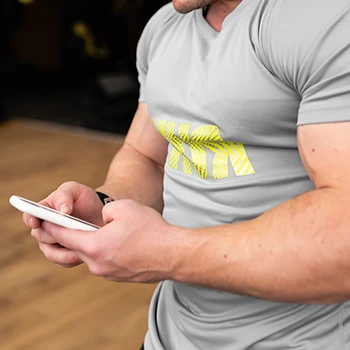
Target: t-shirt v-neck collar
(207, 29)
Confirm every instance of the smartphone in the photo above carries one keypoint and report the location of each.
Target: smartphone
(48, 214)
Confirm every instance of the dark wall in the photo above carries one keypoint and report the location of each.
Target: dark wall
(42, 33)
(54, 53)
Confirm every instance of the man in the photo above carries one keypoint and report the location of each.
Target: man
(243, 132)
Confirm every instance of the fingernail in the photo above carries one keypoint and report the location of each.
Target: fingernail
(64, 208)
(31, 222)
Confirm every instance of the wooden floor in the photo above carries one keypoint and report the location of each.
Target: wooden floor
(44, 306)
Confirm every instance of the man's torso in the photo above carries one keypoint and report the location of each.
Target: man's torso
(231, 125)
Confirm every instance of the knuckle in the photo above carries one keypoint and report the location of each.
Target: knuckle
(92, 251)
(33, 233)
(110, 207)
(70, 259)
(46, 228)
(95, 269)
(38, 234)
(30, 221)
(47, 251)
(59, 256)
(66, 188)
(68, 184)
(41, 246)
(116, 208)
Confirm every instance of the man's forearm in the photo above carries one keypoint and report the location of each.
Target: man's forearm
(297, 252)
(133, 176)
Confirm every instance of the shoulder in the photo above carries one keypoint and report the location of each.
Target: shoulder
(151, 37)
(158, 21)
(306, 45)
(293, 33)
(154, 29)
(304, 13)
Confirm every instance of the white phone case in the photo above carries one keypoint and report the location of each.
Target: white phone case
(51, 215)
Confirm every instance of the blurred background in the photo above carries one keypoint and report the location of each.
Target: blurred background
(71, 61)
(68, 92)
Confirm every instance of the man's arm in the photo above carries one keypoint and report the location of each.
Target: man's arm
(136, 171)
(297, 252)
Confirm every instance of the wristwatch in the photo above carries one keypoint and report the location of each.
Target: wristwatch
(104, 198)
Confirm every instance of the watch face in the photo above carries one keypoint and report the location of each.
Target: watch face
(104, 198)
(108, 200)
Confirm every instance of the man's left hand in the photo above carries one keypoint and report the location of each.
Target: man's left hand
(131, 246)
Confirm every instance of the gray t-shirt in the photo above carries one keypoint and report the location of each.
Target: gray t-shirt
(229, 104)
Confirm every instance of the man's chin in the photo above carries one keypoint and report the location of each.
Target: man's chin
(182, 10)
(186, 6)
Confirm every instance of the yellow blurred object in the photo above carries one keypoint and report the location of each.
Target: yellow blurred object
(25, 2)
(81, 30)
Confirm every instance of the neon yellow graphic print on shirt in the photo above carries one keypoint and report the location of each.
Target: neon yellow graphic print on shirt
(202, 140)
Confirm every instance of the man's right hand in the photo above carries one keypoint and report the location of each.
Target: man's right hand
(70, 198)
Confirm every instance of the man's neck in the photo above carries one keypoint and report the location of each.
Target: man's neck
(218, 10)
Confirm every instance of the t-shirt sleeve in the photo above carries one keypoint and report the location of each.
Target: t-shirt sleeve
(306, 43)
(144, 45)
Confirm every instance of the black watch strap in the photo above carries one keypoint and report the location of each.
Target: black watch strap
(104, 198)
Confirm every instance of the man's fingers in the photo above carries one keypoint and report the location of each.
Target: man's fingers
(121, 208)
(77, 240)
(63, 198)
(60, 255)
(109, 211)
(42, 236)
(31, 221)
(58, 201)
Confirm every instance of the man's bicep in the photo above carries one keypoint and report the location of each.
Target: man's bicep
(144, 137)
(325, 152)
